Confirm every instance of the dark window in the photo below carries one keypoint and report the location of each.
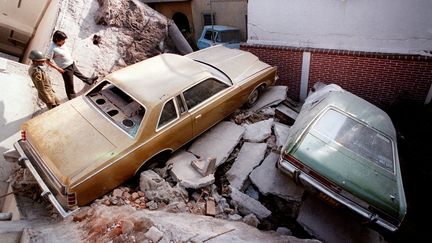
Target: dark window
(208, 19)
(208, 35)
(202, 91)
(168, 114)
(230, 36)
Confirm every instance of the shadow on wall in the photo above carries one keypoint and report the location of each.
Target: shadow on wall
(7, 129)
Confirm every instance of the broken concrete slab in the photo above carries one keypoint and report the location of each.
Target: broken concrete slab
(281, 132)
(185, 174)
(269, 180)
(247, 205)
(249, 157)
(285, 114)
(258, 131)
(331, 224)
(154, 234)
(271, 96)
(205, 166)
(218, 142)
(211, 207)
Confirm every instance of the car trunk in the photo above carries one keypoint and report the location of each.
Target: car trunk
(352, 173)
(68, 141)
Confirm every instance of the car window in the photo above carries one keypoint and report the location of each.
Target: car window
(203, 91)
(231, 36)
(168, 113)
(118, 106)
(208, 35)
(356, 137)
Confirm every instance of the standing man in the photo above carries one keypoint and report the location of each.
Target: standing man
(64, 63)
(41, 80)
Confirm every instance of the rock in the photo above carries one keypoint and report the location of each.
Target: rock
(117, 192)
(154, 234)
(250, 156)
(251, 220)
(134, 196)
(283, 231)
(210, 207)
(235, 217)
(152, 205)
(247, 205)
(127, 226)
(269, 180)
(126, 195)
(157, 189)
(281, 132)
(259, 131)
(205, 167)
(183, 172)
(218, 142)
(268, 111)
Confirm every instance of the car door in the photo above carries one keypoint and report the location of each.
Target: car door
(209, 102)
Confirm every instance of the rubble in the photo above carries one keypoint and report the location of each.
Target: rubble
(285, 114)
(154, 234)
(218, 142)
(259, 131)
(271, 96)
(185, 173)
(205, 167)
(269, 180)
(250, 156)
(157, 189)
(251, 220)
(247, 205)
(281, 132)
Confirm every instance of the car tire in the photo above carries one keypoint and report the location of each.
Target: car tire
(253, 97)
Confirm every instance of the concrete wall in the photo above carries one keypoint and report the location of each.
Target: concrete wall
(231, 13)
(44, 31)
(392, 26)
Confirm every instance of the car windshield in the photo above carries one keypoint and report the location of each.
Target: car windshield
(118, 106)
(356, 137)
(210, 35)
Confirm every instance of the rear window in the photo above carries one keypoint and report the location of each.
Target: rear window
(231, 36)
(356, 137)
(118, 106)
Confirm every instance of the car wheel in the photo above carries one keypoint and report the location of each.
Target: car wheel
(253, 98)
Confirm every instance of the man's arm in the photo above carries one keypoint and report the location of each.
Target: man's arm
(53, 65)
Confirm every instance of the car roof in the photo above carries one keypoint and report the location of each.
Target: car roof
(355, 106)
(158, 78)
(219, 27)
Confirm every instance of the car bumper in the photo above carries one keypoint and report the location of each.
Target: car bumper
(307, 180)
(29, 160)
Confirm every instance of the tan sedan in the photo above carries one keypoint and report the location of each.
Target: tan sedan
(86, 147)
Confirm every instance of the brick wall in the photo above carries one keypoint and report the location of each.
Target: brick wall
(380, 78)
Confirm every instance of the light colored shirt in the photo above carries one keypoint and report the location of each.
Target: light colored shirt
(60, 55)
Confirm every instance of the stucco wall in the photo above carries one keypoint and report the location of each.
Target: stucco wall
(232, 13)
(169, 9)
(44, 31)
(391, 26)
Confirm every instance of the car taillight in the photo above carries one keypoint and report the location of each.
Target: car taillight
(311, 173)
(23, 135)
(71, 199)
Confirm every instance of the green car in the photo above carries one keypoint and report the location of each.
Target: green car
(345, 147)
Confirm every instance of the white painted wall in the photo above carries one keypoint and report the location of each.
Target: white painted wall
(394, 26)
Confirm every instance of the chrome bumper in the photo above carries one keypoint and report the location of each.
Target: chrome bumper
(307, 180)
(46, 192)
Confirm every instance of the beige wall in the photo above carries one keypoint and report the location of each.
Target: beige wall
(42, 37)
(18, 21)
(232, 13)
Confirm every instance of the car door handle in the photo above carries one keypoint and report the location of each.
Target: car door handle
(198, 117)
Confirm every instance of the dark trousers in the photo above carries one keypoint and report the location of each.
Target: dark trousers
(68, 74)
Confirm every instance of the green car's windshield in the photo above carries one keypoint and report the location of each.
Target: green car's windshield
(356, 137)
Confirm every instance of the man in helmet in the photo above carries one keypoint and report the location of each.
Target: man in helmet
(41, 80)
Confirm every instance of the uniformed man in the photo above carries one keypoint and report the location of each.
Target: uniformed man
(41, 80)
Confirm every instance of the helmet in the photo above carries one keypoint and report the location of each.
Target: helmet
(36, 55)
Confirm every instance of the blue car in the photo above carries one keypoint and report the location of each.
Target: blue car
(219, 35)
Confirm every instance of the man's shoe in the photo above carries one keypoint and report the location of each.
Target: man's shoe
(92, 80)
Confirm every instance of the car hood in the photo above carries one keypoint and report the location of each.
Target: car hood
(68, 140)
(236, 64)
